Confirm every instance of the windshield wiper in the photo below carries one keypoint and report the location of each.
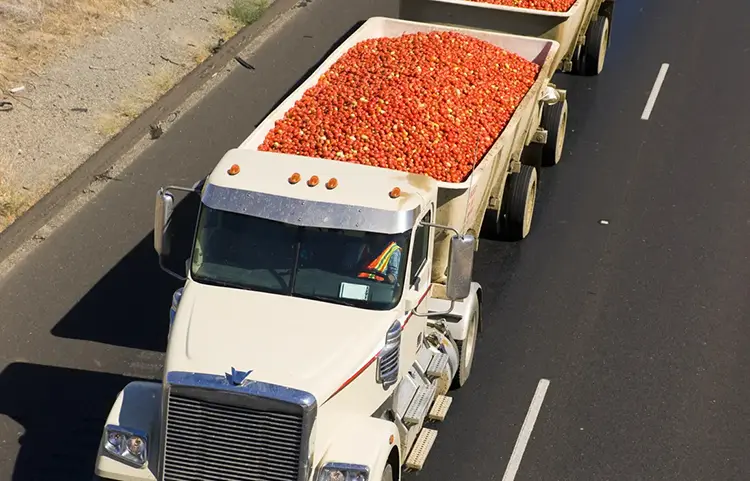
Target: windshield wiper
(216, 282)
(233, 285)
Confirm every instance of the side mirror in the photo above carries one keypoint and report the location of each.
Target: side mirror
(162, 215)
(460, 265)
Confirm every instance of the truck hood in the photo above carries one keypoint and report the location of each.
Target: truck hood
(300, 343)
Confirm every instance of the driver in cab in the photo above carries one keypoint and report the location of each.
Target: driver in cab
(386, 260)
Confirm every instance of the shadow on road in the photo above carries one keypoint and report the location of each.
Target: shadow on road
(129, 306)
(61, 412)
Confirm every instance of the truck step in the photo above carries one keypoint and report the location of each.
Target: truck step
(440, 408)
(420, 403)
(437, 364)
(421, 449)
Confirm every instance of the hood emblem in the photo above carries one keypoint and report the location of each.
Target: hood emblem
(237, 377)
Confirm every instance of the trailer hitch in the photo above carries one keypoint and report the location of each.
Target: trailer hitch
(552, 95)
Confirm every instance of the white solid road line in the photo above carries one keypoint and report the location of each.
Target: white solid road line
(528, 425)
(655, 91)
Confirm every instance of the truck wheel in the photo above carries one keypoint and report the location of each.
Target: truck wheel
(518, 203)
(466, 349)
(531, 155)
(577, 60)
(555, 122)
(595, 48)
(607, 9)
(387, 473)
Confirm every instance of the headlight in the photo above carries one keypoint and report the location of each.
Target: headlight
(343, 472)
(175, 302)
(128, 445)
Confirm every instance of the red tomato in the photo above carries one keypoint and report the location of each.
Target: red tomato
(423, 103)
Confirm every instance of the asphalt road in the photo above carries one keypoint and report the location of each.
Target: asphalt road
(637, 324)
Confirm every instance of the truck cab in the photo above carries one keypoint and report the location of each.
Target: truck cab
(309, 341)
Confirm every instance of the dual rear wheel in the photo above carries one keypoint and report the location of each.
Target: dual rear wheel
(589, 58)
(512, 222)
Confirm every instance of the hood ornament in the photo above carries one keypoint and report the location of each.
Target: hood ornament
(236, 377)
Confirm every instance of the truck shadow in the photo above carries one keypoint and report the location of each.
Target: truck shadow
(61, 413)
(129, 306)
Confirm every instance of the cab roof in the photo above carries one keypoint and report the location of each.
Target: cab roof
(354, 184)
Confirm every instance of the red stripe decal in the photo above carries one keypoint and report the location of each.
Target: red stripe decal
(368, 363)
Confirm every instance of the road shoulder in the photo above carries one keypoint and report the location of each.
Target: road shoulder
(88, 178)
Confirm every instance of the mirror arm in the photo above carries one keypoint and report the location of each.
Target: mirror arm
(437, 313)
(195, 189)
(445, 227)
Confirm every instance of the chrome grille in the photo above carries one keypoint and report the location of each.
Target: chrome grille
(388, 359)
(208, 441)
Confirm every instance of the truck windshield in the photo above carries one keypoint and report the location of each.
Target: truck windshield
(360, 269)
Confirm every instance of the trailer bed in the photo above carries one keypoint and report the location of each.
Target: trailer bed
(562, 27)
(460, 205)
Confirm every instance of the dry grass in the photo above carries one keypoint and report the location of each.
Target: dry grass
(13, 203)
(226, 26)
(132, 104)
(200, 53)
(34, 31)
(247, 11)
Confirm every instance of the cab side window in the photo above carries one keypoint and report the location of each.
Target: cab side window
(421, 248)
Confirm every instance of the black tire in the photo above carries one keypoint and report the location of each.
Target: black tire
(388, 473)
(555, 122)
(519, 200)
(532, 156)
(467, 349)
(491, 224)
(595, 49)
(607, 9)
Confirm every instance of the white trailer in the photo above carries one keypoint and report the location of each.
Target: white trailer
(582, 31)
(284, 362)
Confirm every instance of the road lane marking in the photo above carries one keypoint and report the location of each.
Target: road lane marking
(655, 91)
(528, 425)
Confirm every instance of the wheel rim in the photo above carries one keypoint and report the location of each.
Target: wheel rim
(470, 342)
(530, 201)
(561, 133)
(603, 46)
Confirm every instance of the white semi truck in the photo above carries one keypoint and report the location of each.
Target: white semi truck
(283, 363)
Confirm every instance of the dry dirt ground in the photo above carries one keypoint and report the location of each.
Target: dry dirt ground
(73, 73)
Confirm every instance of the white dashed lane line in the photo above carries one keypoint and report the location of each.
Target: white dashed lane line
(528, 426)
(655, 91)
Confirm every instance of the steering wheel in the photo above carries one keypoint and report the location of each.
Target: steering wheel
(379, 274)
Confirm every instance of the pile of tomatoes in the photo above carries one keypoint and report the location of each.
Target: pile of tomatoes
(425, 103)
(549, 5)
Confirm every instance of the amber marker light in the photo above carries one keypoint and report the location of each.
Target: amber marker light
(395, 193)
(313, 181)
(332, 183)
(294, 178)
(234, 170)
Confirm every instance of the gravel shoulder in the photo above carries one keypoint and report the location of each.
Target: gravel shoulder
(75, 78)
